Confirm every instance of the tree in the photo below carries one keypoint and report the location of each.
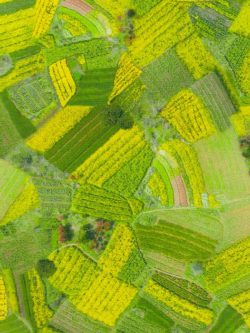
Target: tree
(46, 268)
(131, 13)
(69, 232)
(87, 226)
(126, 121)
(246, 152)
(90, 234)
(113, 115)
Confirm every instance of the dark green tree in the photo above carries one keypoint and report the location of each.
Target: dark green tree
(46, 268)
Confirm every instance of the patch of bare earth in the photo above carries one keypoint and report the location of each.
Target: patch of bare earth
(180, 195)
(77, 5)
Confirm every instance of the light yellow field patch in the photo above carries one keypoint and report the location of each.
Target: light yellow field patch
(126, 74)
(41, 311)
(241, 121)
(241, 303)
(27, 199)
(93, 291)
(194, 54)
(161, 28)
(105, 299)
(187, 113)
(62, 80)
(44, 14)
(241, 24)
(56, 127)
(16, 26)
(23, 68)
(118, 250)
(3, 300)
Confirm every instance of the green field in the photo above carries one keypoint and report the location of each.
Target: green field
(166, 173)
(94, 201)
(14, 325)
(220, 106)
(55, 196)
(228, 321)
(68, 319)
(12, 181)
(9, 135)
(155, 321)
(175, 241)
(32, 96)
(95, 87)
(224, 169)
(164, 77)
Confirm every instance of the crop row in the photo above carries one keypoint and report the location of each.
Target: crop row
(95, 86)
(72, 25)
(229, 320)
(79, 24)
(44, 13)
(221, 7)
(9, 135)
(63, 81)
(244, 75)
(13, 324)
(32, 96)
(3, 300)
(154, 320)
(73, 270)
(41, 311)
(90, 48)
(68, 319)
(158, 188)
(15, 33)
(23, 126)
(183, 288)
(115, 7)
